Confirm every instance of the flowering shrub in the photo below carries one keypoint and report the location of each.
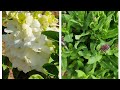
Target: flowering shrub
(28, 42)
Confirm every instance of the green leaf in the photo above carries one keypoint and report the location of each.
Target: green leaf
(51, 68)
(111, 41)
(6, 62)
(101, 72)
(91, 72)
(5, 73)
(94, 59)
(87, 54)
(55, 57)
(81, 53)
(36, 76)
(81, 16)
(108, 65)
(80, 64)
(116, 54)
(80, 73)
(82, 47)
(74, 54)
(100, 25)
(74, 22)
(4, 67)
(93, 77)
(92, 47)
(108, 20)
(87, 21)
(68, 38)
(72, 13)
(73, 64)
(77, 37)
(110, 34)
(52, 35)
(113, 60)
(66, 17)
(64, 64)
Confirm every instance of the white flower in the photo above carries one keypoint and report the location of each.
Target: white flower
(29, 19)
(52, 29)
(23, 58)
(26, 48)
(12, 26)
(35, 24)
(7, 12)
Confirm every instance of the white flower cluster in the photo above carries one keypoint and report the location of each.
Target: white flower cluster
(26, 48)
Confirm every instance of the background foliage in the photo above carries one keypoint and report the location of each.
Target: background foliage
(90, 44)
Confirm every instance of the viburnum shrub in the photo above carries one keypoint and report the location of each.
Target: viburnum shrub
(90, 44)
(31, 42)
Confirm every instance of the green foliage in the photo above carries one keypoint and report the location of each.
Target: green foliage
(51, 69)
(52, 35)
(36, 76)
(84, 34)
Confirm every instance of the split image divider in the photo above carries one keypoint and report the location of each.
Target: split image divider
(0, 44)
(119, 45)
(60, 48)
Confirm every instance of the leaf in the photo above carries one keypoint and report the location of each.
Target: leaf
(68, 38)
(94, 59)
(16, 73)
(81, 53)
(86, 54)
(111, 41)
(87, 21)
(73, 64)
(100, 25)
(72, 21)
(36, 76)
(101, 72)
(92, 47)
(55, 57)
(5, 73)
(51, 68)
(108, 65)
(6, 62)
(64, 64)
(113, 60)
(77, 37)
(80, 73)
(66, 17)
(80, 64)
(116, 54)
(74, 54)
(82, 47)
(52, 35)
(4, 67)
(110, 34)
(108, 20)
(72, 13)
(76, 44)
(93, 77)
(81, 16)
